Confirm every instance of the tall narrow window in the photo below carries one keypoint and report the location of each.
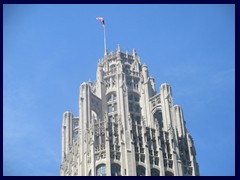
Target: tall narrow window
(109, 99)
(137, 109)
(75, 135)
(133, 105)
(136, 98)
(115, 107)
(114, 97)
(111, 102)
(115, 170)
(130, 107)
(109, 108)
(130, 97)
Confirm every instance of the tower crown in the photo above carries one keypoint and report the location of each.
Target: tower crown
(121, 56)
(125, 127)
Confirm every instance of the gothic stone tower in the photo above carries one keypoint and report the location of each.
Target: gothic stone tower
(126, 128)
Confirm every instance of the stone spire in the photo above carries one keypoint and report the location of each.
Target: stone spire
(134, 54)
(105, 52)
(118, 48)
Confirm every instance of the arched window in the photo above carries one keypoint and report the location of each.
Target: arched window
(115, 170)
(158, 116)
(168, 173)
(141, 171)
(155, 172)
(101, 170)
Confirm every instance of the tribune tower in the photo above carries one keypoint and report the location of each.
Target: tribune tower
(125, 127)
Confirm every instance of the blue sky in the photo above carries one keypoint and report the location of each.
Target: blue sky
(49, 50)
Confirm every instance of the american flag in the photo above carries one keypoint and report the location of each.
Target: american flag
(101, 20)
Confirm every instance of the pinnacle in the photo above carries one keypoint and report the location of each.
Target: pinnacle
(118, 48)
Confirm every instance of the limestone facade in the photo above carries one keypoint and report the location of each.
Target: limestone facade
(125, 127)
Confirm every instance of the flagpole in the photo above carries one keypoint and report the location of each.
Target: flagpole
(104, 34)
(105, 44)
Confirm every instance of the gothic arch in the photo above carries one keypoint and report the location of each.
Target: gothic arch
(110, 93)
(157, 115)
(168, 173)
(115, 169)
(101, 170)
(156, 108)
(96, 104)
(141, 171)
(155, 172)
